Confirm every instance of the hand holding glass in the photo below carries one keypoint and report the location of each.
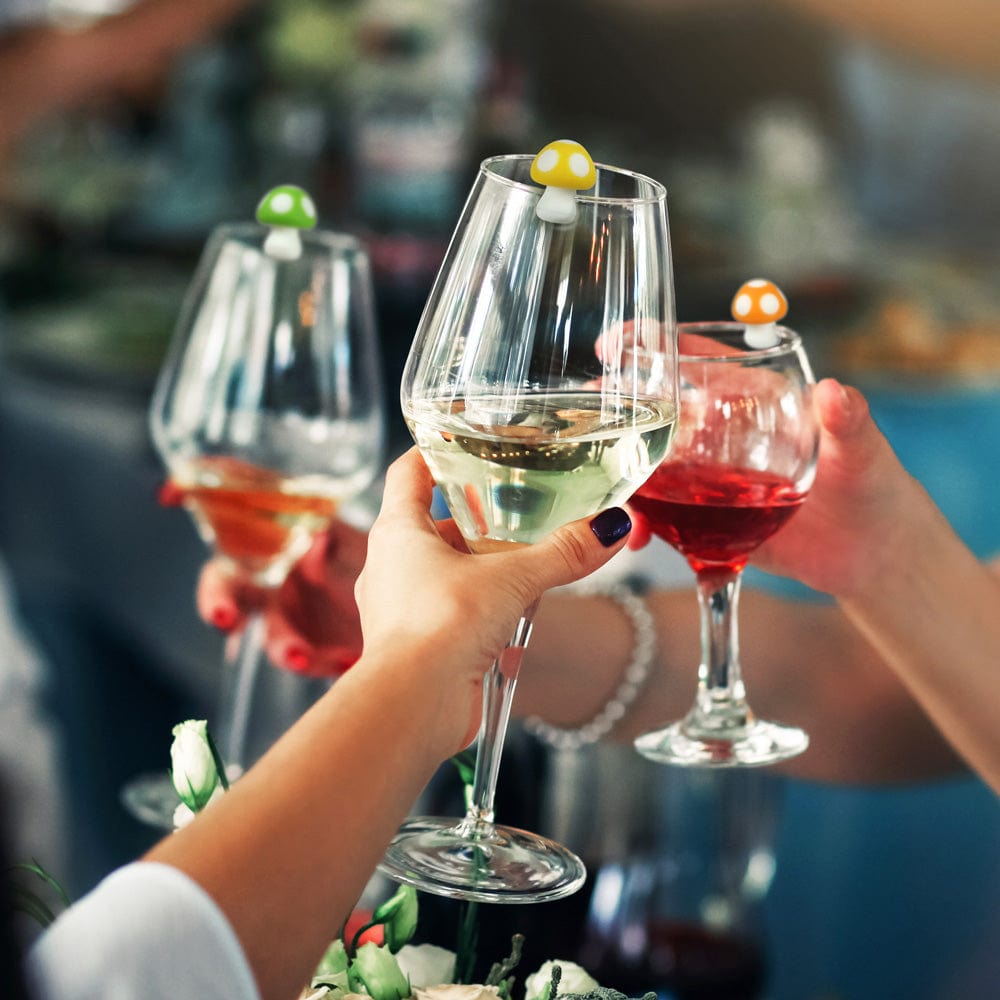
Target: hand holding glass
(742, 463)
(268, 414)
(529, 418)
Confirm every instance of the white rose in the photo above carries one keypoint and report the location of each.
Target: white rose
(575, 979)
(426, 964)
(457, 991)
(193, 770)
(183, 815)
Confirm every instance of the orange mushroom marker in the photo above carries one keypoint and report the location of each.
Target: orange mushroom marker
(759, 304)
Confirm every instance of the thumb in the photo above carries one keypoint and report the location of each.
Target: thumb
(574, 550)
(852, 436)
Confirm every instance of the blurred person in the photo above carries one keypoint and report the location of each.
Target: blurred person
(29, 751)
(870, 535)
(48, 65)
(194, 917)
(865, 678)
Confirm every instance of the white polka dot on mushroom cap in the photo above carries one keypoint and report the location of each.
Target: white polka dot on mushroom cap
(547, 160)
(308, 207)
(756, 283)
(742, 304)
(770, 304)
(579, 164)
(282, 202)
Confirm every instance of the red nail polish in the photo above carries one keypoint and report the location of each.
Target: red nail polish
(223, 617)
(169, 494)
(297, 658)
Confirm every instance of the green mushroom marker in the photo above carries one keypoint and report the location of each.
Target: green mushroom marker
(286, 209)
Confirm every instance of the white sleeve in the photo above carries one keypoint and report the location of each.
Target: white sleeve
(146, 931)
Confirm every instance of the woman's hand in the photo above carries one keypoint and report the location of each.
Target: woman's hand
(847, 532)
(312, 619)
(422, 592)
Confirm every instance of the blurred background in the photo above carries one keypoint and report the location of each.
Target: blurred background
(853, 160)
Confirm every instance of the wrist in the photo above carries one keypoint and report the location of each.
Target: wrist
(432, 700)
(899, 540)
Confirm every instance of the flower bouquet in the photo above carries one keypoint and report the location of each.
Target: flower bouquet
(374, 957)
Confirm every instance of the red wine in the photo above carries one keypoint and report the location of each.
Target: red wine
(685, 961)
(716, 515)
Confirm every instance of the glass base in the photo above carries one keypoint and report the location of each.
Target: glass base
(490, 864)
(751, 745)
(152, 798)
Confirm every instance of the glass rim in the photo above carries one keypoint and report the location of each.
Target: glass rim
(657, 195)
(253, 232)
(789, 341)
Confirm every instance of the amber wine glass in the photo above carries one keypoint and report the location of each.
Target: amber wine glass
(740, 467)
(268, 414)
(540, 388)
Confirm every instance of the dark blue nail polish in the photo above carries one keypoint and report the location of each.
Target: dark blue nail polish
(611, 526)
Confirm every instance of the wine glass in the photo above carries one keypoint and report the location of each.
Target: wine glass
(268, 413)
(742, 463)
(540, 388)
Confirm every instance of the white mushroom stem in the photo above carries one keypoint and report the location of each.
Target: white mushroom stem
(557, 205)
(759, 336)
(283, 243)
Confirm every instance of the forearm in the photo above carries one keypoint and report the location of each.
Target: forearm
(288, 850)
(804, 663)
(962, 37)
(50, 69)
(934, 616)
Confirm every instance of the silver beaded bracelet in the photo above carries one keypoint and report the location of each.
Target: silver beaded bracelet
(629, 598)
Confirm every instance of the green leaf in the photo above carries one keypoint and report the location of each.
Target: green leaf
(500, 973)
(376, 970)
(220, 766)
(468, 942)
(28, 901)
(334, 960)
(465, 764)
(31, 904)
(402, 923)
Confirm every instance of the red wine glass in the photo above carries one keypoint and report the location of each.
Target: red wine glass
(742, 463)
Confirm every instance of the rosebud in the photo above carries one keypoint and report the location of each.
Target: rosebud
(398, 915)
(193, 770)
(457, 991)
(426, 964)
(375, 969)
(575, 979)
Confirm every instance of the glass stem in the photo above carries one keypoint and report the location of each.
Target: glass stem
(240, 672)
(721, 700)
(498, 694)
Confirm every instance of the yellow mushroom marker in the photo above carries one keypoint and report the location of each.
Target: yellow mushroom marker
(563, 167)
(760, 304)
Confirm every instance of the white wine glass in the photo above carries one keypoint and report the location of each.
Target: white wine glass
(268, 414)
(540, 388)
(742, 464)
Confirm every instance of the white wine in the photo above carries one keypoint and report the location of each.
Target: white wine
(512, 471)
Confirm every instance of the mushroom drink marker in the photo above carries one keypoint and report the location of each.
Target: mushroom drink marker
(286, 209)
(760, 304)
(564, 167)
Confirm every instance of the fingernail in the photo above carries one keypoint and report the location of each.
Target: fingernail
(169, 494)
(611, 526)
(296, 658)
(223, 617)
